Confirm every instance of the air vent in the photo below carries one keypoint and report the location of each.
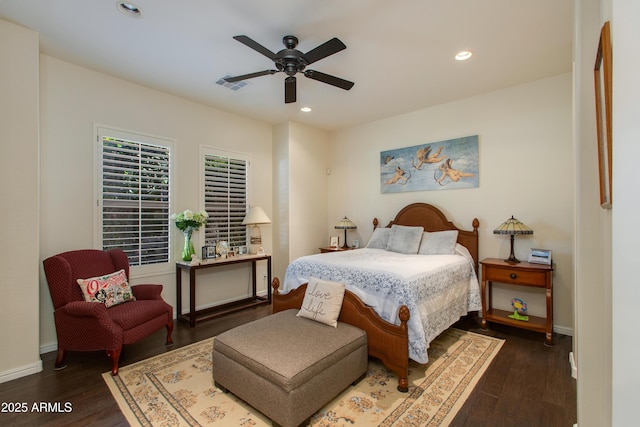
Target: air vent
(233, 86)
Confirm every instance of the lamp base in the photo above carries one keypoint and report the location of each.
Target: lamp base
(255, 238)
(512, 258)
(345, 245)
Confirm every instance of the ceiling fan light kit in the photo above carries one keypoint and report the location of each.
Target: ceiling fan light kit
(291, 62)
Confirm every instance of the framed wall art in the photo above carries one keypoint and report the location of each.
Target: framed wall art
(603, 87)
(443, 165)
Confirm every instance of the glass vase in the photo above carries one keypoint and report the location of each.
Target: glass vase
(188, 250)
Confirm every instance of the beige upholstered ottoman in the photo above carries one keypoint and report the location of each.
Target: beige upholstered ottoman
(289, 367)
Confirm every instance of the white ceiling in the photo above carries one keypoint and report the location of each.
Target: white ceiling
(400, 54)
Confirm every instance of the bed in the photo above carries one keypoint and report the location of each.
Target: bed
(431, 291)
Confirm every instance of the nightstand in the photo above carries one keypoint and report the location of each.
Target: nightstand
(332, 249)
(520, 274)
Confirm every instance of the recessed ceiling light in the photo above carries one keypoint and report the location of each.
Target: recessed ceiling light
(129, 9)
(305, 109)
(464, 55)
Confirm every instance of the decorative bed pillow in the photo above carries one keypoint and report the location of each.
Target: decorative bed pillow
(322, 301)
(404, 239)
(379, 238)
(438, 243)
(111, 289)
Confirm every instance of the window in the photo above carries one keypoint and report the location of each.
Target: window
(134, 196)
(225, 195)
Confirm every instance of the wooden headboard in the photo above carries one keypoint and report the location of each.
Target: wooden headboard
(432, 219)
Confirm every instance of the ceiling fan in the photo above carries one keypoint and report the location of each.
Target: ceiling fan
(291, 61)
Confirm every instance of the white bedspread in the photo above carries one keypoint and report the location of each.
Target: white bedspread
(438, 289)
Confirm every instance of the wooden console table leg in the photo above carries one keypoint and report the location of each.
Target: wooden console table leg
(192, 297)
(269, 280)
(178, 292)
(254, 278)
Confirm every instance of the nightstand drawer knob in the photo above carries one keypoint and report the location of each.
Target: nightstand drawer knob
(513, 275)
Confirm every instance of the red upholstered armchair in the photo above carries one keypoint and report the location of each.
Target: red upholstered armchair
(90, 326)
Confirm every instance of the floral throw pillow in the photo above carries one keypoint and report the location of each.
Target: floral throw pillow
(322, 301)
(111, 289)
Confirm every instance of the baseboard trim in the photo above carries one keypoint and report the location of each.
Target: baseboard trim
(48, 348)
(22, 371)
(563, 330)
(574, 367)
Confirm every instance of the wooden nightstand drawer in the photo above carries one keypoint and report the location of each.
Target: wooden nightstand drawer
(516, 277)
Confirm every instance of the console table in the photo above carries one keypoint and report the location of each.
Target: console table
(195, 316)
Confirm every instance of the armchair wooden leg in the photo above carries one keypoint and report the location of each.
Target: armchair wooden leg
(169, 332)
(60, 358)
(114, 355)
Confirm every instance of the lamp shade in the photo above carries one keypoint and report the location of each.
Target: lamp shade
(346, 224)
(256, 216)
(512, 226)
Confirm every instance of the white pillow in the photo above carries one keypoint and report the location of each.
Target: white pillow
(438, 243)
(322, 301)
(404, 239)
(379, 238)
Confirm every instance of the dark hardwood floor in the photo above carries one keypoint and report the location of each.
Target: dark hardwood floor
(527, 384)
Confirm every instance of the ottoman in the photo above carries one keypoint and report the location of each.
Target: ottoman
(289, 367)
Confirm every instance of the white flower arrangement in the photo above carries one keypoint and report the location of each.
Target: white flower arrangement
(189, 220)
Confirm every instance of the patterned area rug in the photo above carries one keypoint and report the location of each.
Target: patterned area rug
(176, 389)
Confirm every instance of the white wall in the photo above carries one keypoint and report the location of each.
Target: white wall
(592, 342)
(281, 182)
(607, 289)
(73, 99)
(300, 191)
(526, 170)
(19, 261)
(626, 205)
(308, 194)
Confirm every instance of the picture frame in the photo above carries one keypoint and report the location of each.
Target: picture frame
(334, 241)
(208, 252)
(241, 250)
(603, 93)
(540, 256)
(441, 165)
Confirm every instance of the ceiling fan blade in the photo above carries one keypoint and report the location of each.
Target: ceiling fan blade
(249, 76)
(328, 48)
(289, 90)
(326, 78)
(256, 46)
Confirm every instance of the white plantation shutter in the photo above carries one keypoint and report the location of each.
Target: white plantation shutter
(225, 196)
(134, 197)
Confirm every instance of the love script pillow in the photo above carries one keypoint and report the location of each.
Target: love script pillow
(322, 301)
(111, 289)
